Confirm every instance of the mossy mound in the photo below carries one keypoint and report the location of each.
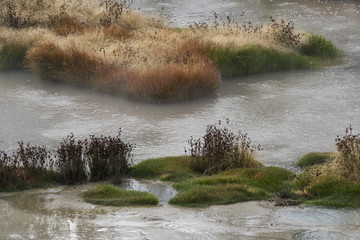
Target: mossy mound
(109, 195)
(314, 158)
(168, 169)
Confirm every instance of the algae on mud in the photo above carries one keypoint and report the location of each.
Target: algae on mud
(111, 48)
(109, 195)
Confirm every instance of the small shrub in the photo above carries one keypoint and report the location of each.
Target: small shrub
(108, 156)
(27, 156)
(220, 149)
(105, 157)
(29, 166)
(349, 148)
(70, 160)
(283, 32)
(113, 11)
(319, 46)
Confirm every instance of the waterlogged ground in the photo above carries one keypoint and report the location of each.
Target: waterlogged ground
(60, 214)
(289, 114)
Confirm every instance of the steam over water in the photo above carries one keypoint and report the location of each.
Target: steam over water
(289, 114)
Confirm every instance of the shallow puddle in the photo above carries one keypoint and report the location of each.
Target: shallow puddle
(160, 189)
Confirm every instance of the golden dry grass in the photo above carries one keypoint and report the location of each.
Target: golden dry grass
(114, 49)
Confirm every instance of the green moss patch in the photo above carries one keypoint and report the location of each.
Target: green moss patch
(169, 168)
(322, 183)
(332, 192)
(205, 195)
(112, 196)
(236, 185)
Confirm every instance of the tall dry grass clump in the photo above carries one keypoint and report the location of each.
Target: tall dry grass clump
(72, 65)
(67, 25)
(174, 83)
(184, 74)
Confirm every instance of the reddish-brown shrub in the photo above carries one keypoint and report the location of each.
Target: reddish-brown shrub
(68, 25)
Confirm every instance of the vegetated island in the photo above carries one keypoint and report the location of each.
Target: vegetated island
(104, 45)
(221, 168)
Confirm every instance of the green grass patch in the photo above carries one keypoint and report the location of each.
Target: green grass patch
(314, 158)
(109, 195)
(169, 169)
(236, 185)
(254, 59)
(319, 46)
(205, 195)
(12, 56)
(18, 179)
(332, 192)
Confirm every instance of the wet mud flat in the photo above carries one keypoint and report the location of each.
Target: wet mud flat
(60, 213)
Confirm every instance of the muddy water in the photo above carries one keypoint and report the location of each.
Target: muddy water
(61, 214)
(289, 114)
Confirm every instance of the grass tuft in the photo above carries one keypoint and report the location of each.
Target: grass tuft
(201, 196)
(53, 63)
(67, 26)
(235, 185)
(314, 158)
(319, 46)
(12, 56)
(112, 196)
(335, 192)
(168, 169)
(254, 59)
(174, 83)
